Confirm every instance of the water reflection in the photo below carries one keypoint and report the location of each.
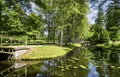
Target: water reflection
(10, 68)
(82, 62)
(93, 72)
(107, 61)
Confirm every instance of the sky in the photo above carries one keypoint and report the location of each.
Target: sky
(92, 15)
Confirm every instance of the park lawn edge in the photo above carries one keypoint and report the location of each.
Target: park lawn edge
(48, 52)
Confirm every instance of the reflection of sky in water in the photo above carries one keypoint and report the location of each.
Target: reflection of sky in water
(39, 75)
(44, 69)
(93, 72)
(64, 67)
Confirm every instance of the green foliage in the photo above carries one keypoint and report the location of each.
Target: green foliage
(65, 19)
(100, 35)
(112, 20)
(109, 17)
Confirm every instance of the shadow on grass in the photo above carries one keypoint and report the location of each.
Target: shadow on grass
(70, 46)
(66, 49)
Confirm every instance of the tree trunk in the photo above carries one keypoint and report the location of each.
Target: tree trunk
(26, 41)
(48, 37)
(61, 38)
(54, 36)
(0, 23)
(11, 41)
(53, 33)
(0, 15)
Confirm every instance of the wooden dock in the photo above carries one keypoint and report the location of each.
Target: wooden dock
(12, 52)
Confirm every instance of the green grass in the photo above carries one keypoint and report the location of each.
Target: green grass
(111, 46)
(116, 44)
(48, 51)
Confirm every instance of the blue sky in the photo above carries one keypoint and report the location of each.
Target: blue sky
(92, 15)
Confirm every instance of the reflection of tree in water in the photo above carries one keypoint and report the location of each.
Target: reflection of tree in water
(12, 69)
(68, 65)
(107, 61)
(114, 57)
(103, 54)
(76, 63)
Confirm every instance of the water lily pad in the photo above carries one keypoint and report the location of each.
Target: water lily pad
(66, 68)
(62, 62)
(75, 58)
(63, 69)
(99, 66)
(69, 59)
(73, 61)
(83, 67)
(69, 65)
(75, 67)
(59, 66)
(118, 67)
(112, 66)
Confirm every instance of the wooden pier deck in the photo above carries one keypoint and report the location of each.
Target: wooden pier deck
(12, 52)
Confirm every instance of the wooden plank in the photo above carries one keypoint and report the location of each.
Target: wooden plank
(6, 69)
(7, 52)
(9, 57)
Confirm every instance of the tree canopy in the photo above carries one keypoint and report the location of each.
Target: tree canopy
(59, 21)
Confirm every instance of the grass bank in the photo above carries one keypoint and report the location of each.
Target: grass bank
(48, 51)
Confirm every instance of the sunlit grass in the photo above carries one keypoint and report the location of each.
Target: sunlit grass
(117, 43)
(48, 51)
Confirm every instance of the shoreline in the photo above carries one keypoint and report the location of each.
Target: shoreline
(47, 52)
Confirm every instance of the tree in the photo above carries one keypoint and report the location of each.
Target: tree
(65, 19)
(110, 16)
(100, 35)
(34, 27)
(72, 21)
(112, 20)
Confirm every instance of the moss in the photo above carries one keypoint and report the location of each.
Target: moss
(48, 52)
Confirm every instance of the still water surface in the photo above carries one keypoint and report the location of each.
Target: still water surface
(81, 62)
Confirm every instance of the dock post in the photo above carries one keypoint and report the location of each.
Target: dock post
(1, 39)
(25, 71)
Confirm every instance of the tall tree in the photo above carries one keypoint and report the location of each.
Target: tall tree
(113, 19)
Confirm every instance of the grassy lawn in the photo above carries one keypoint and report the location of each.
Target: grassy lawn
(48, 51)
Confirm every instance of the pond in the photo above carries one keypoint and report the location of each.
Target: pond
(81, 62)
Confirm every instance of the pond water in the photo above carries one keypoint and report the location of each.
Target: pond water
(81, 62)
